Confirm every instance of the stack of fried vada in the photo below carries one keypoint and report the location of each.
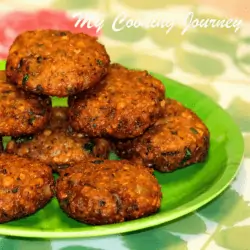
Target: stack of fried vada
(110, 108)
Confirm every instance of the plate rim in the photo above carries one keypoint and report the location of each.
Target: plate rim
(154, 220)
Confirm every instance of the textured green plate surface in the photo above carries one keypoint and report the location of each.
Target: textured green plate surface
(183, 191)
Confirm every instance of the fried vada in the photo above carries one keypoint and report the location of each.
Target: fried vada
(102, 192)
(178, 139)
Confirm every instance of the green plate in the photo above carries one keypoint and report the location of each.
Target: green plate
(184, 190)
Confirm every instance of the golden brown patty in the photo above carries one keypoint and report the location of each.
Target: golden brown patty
(58, 145)
(177, 140)
(105, 192)
(21, 113)
(56, 63)
(123, 105)
(25, 187)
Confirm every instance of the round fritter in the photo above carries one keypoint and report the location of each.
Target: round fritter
(58, 145)
(21, 113)
(56, 63)
(25, 187)
(177, 140)
(105, 192)
(123, 105)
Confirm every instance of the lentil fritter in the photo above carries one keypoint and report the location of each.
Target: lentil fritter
(123, 105)
(177, 140)
(56, 63)
(103, 191)
(21, 113)
(58, 145)
(25, 187)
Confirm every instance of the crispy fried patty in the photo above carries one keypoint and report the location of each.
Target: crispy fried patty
(25, 187)
(177, 140)
(56, 63)
(123, 105)
(58, 145)
(21, 113)
(104, 192)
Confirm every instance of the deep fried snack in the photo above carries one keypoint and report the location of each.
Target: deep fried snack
(123, 105)
(177, 140)
(104, 192)
(56, 63)
(25, 187)
(58, 145)
(21, 113)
